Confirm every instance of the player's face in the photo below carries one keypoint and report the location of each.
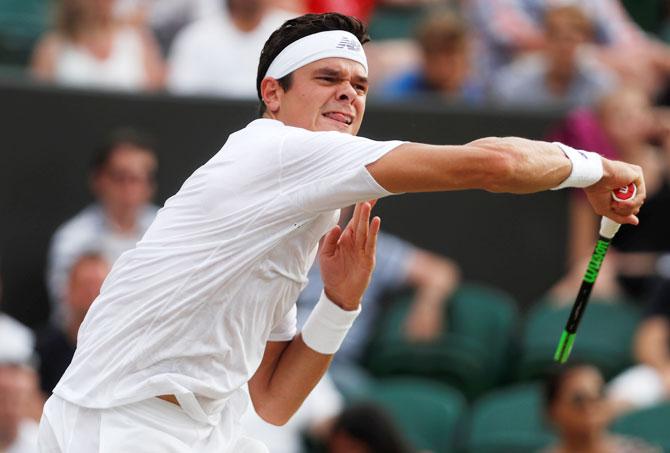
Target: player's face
(326, 95)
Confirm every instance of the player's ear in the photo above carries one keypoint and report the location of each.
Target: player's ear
(271, 92)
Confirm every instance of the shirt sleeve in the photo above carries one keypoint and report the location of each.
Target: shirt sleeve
(323, 171)
(286, 329)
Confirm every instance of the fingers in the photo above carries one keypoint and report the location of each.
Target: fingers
(627, 210)
(619, 174)
(371, 242)
(623, 219)
(330, 241)
(353, 222)
(363, 224)
(634, 174)
(363, 231)
(641, 188)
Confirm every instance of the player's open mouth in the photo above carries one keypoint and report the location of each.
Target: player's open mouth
(340, 117)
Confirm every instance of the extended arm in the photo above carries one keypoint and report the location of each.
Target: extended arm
(508, 164)
(289, 370)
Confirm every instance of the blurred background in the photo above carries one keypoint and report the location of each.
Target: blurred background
(106, 106)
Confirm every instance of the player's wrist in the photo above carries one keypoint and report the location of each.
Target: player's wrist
(587, 168)
(327, 325)
(345, 303)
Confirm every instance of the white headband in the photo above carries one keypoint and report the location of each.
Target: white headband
(325, 44)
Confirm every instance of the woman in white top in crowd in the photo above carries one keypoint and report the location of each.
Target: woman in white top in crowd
(90, 48)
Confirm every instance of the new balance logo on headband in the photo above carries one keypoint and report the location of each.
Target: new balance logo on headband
(351, 44)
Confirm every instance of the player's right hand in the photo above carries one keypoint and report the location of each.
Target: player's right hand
(617, 174)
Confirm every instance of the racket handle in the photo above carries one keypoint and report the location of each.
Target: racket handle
(625, 193)
(608, 227)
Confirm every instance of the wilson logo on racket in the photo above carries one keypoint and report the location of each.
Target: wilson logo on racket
(596, 261)
(625, 193)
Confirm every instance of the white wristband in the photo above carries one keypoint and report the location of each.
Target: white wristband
(327, 326)
(587, 167)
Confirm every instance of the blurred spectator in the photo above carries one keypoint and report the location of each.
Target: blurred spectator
(55, 346)
(503, 30)
(164, 17)
(506, 29)
(19, 395)
(562, 73)
(219, 55)
(399, 264)
(314, 418)
(649, 382)
(91, 48)
(622, 126)
(445, 69)
(576, 406)
(123, 181)
(365, 428)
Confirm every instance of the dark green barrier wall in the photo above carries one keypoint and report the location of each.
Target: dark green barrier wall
(48, 136)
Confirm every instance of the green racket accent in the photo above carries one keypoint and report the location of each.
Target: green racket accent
(564, 346)
(608, 228)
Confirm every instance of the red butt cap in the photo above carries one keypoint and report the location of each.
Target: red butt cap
(625, 193)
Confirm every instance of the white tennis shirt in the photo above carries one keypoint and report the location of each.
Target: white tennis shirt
(189, 310)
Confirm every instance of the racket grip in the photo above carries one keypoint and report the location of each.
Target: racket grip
(608, 227)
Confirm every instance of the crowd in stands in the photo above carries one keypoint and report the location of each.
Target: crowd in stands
(587, 57)
(537, 53)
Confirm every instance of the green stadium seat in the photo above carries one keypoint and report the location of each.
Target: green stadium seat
(428, 413)
(604, 337)
(509, 421)
(21, 24)
(395, 22)
(649, 424)
(471, 355)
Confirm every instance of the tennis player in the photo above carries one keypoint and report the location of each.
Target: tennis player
(205, 304)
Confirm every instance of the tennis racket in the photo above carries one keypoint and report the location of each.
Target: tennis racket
(608, 228)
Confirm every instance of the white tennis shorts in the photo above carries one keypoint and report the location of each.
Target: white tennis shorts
(149, 426)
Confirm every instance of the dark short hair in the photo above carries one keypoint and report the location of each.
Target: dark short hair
(371, 425)
(116, 139)
(299, 27)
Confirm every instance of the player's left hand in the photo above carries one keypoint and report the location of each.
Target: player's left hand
(347, 258)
